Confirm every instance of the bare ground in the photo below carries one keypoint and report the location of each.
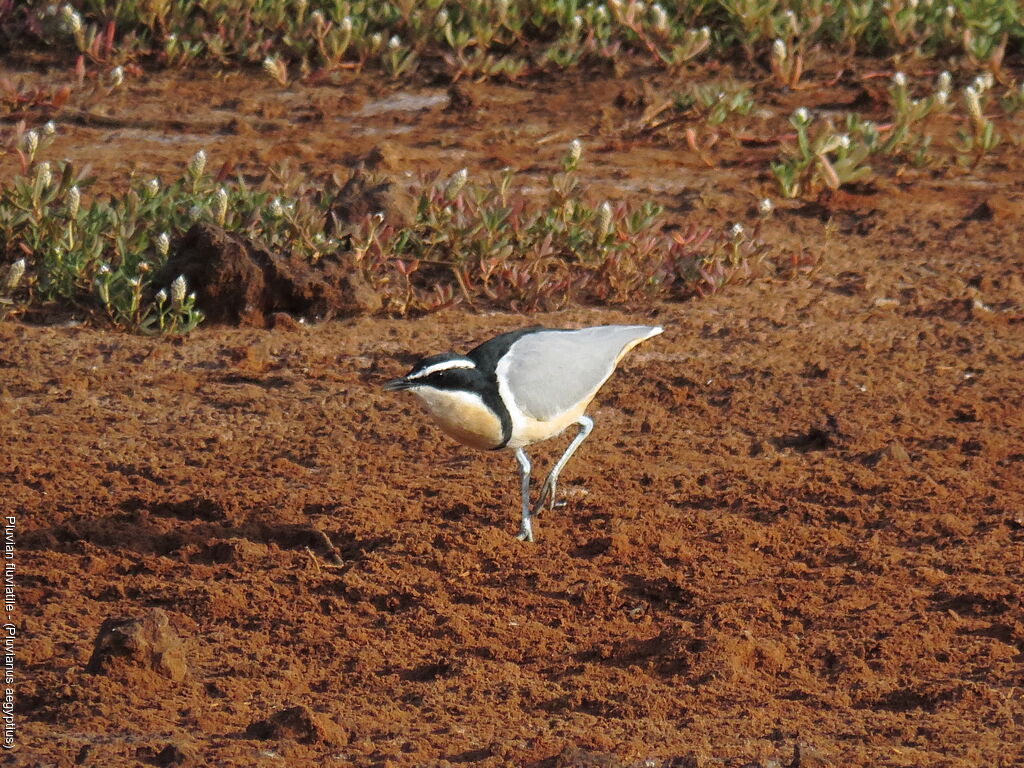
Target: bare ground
(798, 520)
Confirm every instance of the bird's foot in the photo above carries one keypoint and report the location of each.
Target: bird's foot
(525, 532)
(547, 497)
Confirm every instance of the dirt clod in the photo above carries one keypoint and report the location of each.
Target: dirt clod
(300, 724)
(896, 453)
(463, 96)
(1000, 208)
(240, 282)
(365, 194)
(806, 756)
(234, 550)
(573, 757)
(282, 321)
(177, 753)
(124, 646)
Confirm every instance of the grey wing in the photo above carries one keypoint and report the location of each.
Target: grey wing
(550, 372)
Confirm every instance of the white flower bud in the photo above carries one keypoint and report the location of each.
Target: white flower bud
(178, 290)
(794, 25)
(346, 25)
(973, 102)
(71, 19)
(899, 80)
(766, 207)
(950, 11)
(736, 231)
(220, 205)
(116, 77)
(153, 187)
(161, 296)
(660, 18)
(941, 97)
(31, 141)
(576, 24)
(43, 175)
(604, 221)
(395, 43)
(163, 244)
(575, 151)
(197, 164)
(275, 208)
(376, 41)
(779, 50)
(50, 128)
(74, 200)
(456, 183)
(844, 141)
(14, 274)
(944, 81)
(802, 115)
(441, 20)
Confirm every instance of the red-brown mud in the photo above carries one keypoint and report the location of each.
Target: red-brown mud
(799, 519)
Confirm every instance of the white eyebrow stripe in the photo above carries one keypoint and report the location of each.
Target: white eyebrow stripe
(447, 365)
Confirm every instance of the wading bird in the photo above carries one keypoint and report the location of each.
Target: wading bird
(520, 388)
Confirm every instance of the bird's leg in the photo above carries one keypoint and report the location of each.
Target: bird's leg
(525, 526)
(548, 491)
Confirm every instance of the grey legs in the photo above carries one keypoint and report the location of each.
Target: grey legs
(525, 527)
(547, 491)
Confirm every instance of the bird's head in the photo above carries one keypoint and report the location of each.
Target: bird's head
(447, 371)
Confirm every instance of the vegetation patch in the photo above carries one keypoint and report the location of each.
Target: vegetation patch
(317, 247)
